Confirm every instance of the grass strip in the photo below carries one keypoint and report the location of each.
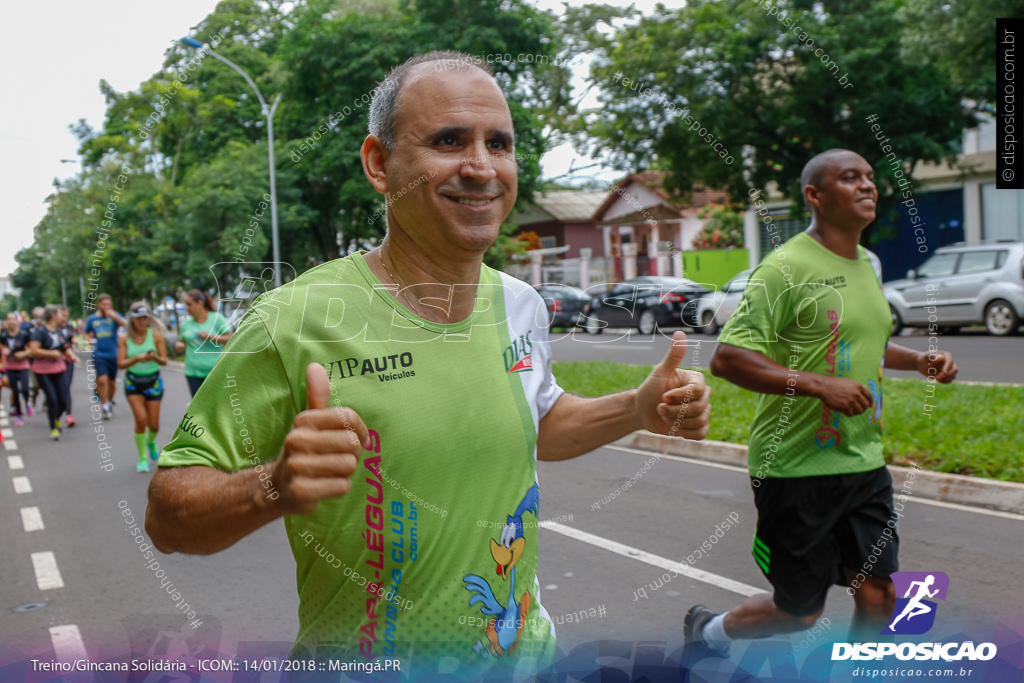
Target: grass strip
(971, 430)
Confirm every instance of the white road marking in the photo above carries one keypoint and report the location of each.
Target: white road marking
(15, 462)
(680, 458)
(652, 559)
(618, 347)
(967, 508)
(10, 445)
(47, 575)
(67, 643)
(21, 485)
(7, 433)
(923, 501)
(31, 519)
(5, 423)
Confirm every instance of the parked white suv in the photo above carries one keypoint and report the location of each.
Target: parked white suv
(716, 308)
(961, 285)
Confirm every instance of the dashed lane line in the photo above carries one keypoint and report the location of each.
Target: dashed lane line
(66, 638)
(47, 574)
(67, 643)
(31, 519)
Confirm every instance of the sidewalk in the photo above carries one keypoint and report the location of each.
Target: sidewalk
(950, 488)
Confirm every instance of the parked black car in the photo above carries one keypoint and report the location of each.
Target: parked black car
(647, 303)
(567, 306)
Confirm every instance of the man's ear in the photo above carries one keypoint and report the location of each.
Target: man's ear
(812, 196)
(375, 158)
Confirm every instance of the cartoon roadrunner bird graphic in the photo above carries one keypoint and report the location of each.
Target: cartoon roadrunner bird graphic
(504, 629)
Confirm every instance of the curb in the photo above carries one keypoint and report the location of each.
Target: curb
(951, 488)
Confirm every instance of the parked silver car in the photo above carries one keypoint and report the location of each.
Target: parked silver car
(962, 285)
(716, 308)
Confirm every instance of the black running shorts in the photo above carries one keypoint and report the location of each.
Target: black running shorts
(810, 528)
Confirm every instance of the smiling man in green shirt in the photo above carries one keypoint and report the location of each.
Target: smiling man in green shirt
(392, 406)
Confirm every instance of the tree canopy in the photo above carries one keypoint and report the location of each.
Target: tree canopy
(736, 94)
(195, 137)
(731, 94)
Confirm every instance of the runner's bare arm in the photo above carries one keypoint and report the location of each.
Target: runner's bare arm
(123, 361)
(754, 371)
(576, 425)
(201, 510)
(36, 350)
(937, 364)
(671, 401)
(161, 347)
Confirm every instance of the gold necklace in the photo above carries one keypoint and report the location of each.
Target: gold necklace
(401, 290)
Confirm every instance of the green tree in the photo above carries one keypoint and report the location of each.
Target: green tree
(337, 61)
(31, 278)
(958, 36)
(194, 136)
(727, 75)
(65, 239)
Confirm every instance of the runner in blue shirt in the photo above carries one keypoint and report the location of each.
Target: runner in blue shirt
(101, 330)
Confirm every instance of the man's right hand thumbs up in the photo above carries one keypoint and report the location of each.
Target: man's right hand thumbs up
(321, 451)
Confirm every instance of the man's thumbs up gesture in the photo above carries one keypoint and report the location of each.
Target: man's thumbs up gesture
(321, 451)
(672, 401)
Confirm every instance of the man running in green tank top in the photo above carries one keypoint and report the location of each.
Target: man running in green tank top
(811, 336)
(141, 352)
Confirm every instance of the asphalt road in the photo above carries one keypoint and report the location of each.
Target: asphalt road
(980, 357)
(595, 559)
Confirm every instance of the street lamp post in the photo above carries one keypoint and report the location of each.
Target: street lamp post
(268, 113)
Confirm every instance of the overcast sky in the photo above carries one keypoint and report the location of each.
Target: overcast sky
(55, 54)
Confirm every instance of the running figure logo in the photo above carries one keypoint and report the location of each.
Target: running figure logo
(914, 614)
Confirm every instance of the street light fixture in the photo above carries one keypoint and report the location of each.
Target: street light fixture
(268, 113)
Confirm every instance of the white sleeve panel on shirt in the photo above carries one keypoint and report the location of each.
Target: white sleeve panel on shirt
(876, 263)
(526, 313)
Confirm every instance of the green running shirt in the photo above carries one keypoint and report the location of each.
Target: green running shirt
(146, 367)
(433, 552)
(807, 308)
(201, 354)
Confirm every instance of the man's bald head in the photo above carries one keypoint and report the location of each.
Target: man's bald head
(839, 189)
(387, 96)
(814, 170)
